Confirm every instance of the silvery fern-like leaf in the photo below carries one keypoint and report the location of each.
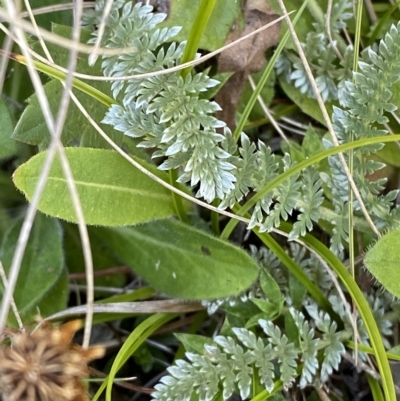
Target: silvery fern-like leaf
(240, 363)
(366, 99)
(262, 355)
(245, 170)
(167, 103)
(334, 351)
(267, 169)
(229, 145)
(134, 122)
(232, 363)
(379, 307)
(341, 11)
(284, 351)
(286, 196)
(343, 311)
(340, 229)
(92, 17)
(318, 273)
(224, 368)
(286, 200)
(308, 347)
(320, 54)
(312, 198)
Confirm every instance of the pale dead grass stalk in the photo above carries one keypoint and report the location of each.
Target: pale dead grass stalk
(179, 67)
(7, 46)
(51, 37)
(52, 8)
(328, 29)
(12, 302)
(87, 254)
(32, 207)
(55, 128)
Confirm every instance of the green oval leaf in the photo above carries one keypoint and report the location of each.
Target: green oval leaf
(181, 261)
(8, 145)
(194, 342)
(42, 282)
(382, 260)
(111, 190)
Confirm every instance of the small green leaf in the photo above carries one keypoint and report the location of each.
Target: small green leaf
(297, 291)
(270, 287)
(271, 310)
(8, 145)
(111, 190)
(312, 143)
(382, 260)
(291, 329)
(194, 342)
(181, 261)
(41, 270)
(243, 310)
(253, 321)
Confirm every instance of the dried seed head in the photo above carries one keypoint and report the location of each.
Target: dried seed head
(45, 366)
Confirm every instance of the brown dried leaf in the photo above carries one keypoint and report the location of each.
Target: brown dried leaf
(246, 57)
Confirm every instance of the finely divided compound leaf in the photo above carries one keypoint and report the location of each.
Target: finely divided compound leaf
(382, 260)
(111, 190)
(41, 270)
(183, 262)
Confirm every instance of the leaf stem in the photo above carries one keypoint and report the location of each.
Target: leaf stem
(199, 25)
